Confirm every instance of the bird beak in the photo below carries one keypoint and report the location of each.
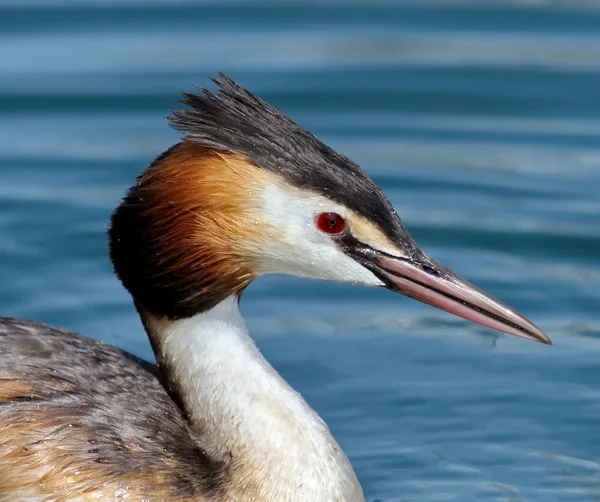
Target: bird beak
(431, 282)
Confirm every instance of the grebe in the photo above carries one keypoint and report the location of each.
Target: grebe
(246, 192)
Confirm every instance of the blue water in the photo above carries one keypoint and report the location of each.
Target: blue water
(481, 120)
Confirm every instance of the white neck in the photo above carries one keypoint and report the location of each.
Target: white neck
(280, 450)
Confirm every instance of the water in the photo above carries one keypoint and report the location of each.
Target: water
(481, 120)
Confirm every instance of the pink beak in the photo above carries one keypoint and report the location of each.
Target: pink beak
(433, 283)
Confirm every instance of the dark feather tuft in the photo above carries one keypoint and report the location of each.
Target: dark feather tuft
(234, 119)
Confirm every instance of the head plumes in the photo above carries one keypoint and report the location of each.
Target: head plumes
(235, 120)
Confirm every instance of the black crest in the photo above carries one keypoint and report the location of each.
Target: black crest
(236, 120)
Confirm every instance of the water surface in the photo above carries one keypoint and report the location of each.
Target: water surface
(481, 120)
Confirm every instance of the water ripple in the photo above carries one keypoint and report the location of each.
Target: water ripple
(481, 122)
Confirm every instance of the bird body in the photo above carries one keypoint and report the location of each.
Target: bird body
(247, 192)
(81, 420)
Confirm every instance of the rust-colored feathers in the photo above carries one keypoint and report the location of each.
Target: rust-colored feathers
(186, 234)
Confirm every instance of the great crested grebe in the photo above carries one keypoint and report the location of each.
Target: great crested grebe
(246, 192)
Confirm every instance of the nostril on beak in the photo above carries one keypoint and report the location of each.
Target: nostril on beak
(430, 270)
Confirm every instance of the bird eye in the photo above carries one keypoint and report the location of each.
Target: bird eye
(331, 223)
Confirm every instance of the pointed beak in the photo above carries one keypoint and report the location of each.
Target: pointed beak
(431, 282)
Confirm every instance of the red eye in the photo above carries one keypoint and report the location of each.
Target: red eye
(331, 223)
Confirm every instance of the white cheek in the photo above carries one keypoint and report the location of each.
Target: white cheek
(300, 248)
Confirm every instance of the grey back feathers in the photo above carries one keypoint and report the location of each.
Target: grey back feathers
(236, 120)
(109, 413)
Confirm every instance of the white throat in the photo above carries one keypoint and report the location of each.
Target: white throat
(280, 450)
